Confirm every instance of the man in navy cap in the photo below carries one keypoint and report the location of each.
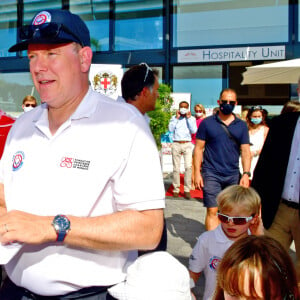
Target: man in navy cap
(90, 209)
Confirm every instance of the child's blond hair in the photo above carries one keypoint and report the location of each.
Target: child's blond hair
(238, 195)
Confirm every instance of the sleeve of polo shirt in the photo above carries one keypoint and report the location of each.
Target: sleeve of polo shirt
(201, 132)
(138, 184)
(197, 260)
(245, 134)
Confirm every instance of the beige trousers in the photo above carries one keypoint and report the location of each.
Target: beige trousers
(285, 229)
(185, 150)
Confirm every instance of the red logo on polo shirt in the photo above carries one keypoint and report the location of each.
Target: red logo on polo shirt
(66, 162)
(69, 162)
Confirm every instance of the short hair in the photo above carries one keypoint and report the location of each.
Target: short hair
(254, 258)
(201, 107)
(238, 195)
(227, 90)
(135, 79)
(29, 98)
(290, 106)
(184, 102)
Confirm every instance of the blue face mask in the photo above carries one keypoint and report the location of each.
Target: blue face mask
(256, 121)
(226, 108)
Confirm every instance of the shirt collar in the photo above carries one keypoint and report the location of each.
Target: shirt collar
(220, 235)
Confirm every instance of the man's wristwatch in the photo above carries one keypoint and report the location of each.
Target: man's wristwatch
(247, 173)
(61, 225)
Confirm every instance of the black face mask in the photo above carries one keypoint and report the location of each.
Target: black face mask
(226, 108)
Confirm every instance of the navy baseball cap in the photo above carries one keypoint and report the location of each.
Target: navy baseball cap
(53, 26)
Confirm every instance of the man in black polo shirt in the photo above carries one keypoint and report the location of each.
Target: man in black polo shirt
(224, 137)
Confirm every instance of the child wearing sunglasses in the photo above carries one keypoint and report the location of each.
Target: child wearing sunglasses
(239, 209)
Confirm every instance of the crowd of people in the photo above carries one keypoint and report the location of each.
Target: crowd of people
(88, 230)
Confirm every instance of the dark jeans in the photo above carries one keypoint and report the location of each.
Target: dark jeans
(10, 291)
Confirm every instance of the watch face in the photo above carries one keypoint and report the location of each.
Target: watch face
(61, 223)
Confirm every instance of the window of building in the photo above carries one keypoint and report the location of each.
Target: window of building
(227, 22)
(8, 26)
(14, 87)
(138, 24)
(204, 83)
(95, 14)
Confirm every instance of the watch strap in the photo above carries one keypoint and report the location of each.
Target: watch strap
(247, 173)
(61, 235)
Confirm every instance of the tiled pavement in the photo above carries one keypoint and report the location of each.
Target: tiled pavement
(185, 222)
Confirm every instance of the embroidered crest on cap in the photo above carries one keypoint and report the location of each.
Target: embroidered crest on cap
(41, 18)
(18, 160)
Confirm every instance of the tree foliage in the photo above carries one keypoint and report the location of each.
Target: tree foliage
(160, 117)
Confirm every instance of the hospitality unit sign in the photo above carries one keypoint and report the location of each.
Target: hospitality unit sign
(232, 54)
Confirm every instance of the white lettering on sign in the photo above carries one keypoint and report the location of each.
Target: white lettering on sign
(232, 54)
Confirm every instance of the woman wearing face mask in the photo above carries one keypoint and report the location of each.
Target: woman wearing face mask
(258, 131)
(200, 114)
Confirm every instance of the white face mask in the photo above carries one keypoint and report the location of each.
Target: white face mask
(27, 109)
(198, 114)
(183, 110)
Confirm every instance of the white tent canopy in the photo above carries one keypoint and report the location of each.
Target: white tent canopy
(283, 72)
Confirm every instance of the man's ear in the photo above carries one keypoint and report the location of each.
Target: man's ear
(145, 91)
(85, 55)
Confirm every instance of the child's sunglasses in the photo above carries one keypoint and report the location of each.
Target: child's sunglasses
(235, 220)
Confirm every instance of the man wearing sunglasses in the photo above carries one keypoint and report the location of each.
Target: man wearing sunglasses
(224, 138)
(90, 209)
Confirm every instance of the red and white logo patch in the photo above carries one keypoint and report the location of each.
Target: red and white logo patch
(18, 160)
(41, 18)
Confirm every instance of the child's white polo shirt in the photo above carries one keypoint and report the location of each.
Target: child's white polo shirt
(206, 256)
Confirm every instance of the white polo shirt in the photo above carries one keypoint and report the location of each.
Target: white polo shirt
(102, 160)
(206, 256)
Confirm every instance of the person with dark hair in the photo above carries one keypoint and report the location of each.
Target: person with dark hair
(140, 88)
(256, 267)
(75, 232)
(224, 137)
(258, 131)
(182, 125)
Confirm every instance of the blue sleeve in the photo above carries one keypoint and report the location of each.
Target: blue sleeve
(192, 125)
(173, 123)
(245, 134)
(201, 132)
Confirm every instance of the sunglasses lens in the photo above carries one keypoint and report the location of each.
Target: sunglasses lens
(232, 102)
(239, 221)
(49, 30)
(223, 219)
(46, 30)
